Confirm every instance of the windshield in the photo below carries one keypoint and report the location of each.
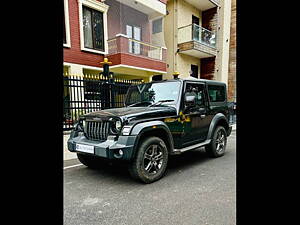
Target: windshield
(152, 93)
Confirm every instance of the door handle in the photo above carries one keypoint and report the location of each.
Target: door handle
(202, 116)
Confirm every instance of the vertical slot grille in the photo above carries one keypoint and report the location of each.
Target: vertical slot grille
(97, 131)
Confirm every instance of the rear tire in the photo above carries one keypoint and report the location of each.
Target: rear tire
(151, 160)
(217, 146)
(91, 161)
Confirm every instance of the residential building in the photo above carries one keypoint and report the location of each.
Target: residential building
(197, 34)
(149, 39)
(232, 55)
(130, 33)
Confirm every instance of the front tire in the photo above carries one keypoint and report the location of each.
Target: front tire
(217, 146)
(151, 160)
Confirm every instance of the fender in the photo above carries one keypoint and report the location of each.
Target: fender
(215, 120)
(143, 127)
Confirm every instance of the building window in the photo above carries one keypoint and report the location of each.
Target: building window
(64, 30)
(93, 26)
(157, 26)
(216, 93)
(93, 29)
(66, 26)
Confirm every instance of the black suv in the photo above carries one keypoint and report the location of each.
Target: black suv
(158, 119)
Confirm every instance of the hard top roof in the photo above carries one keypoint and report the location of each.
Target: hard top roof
(196, 79)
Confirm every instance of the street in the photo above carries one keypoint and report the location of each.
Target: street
(196, 190)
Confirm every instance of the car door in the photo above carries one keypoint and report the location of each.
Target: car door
(196, 122)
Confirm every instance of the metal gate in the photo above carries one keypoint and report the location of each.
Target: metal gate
(89, 93)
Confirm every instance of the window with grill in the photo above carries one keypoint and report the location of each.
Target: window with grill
(93, 29)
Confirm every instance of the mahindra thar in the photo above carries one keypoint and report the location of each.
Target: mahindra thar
(159, 119)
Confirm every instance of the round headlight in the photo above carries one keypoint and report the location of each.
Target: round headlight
(118, 125)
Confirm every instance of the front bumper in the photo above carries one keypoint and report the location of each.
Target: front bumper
(106, 149)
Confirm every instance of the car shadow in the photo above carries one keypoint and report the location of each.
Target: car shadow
(117, 170)
(187, 160)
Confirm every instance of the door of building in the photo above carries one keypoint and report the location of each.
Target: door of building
(195, 27)
(195, 20)
(134, 33)
(194, 69)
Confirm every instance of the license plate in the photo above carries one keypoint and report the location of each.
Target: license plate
(85, 148)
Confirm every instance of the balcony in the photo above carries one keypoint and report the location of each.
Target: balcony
(123, 44)
(204, 4)
(126, 52)
(196, 41)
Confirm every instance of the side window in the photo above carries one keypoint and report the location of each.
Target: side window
(216, 93)
(157, 26)
(198, 91)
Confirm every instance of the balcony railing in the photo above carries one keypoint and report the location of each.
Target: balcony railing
(123, 44)
(193, 32)
(217, 2)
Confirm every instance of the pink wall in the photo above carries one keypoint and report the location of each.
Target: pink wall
(120, 15)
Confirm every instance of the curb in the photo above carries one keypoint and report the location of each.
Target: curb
(67, 154)
(234, 127)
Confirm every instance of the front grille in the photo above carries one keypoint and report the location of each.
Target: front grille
(96, 130)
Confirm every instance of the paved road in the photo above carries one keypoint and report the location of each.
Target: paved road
(196, 190)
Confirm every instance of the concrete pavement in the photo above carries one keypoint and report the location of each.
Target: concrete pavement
(195, 190)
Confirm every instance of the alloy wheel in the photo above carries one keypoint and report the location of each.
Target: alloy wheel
(220, 141)
(153, 159)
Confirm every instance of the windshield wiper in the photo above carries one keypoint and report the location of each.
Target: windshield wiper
(139, 103)
(160, 102)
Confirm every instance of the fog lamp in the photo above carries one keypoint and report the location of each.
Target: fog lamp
(118, 153)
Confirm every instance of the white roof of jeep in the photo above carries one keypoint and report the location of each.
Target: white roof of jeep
(197, 79)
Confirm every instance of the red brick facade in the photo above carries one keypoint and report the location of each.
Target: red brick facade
(210, 19)
(207, 68)
(75, 54)
(116, 24)
(132, 60)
